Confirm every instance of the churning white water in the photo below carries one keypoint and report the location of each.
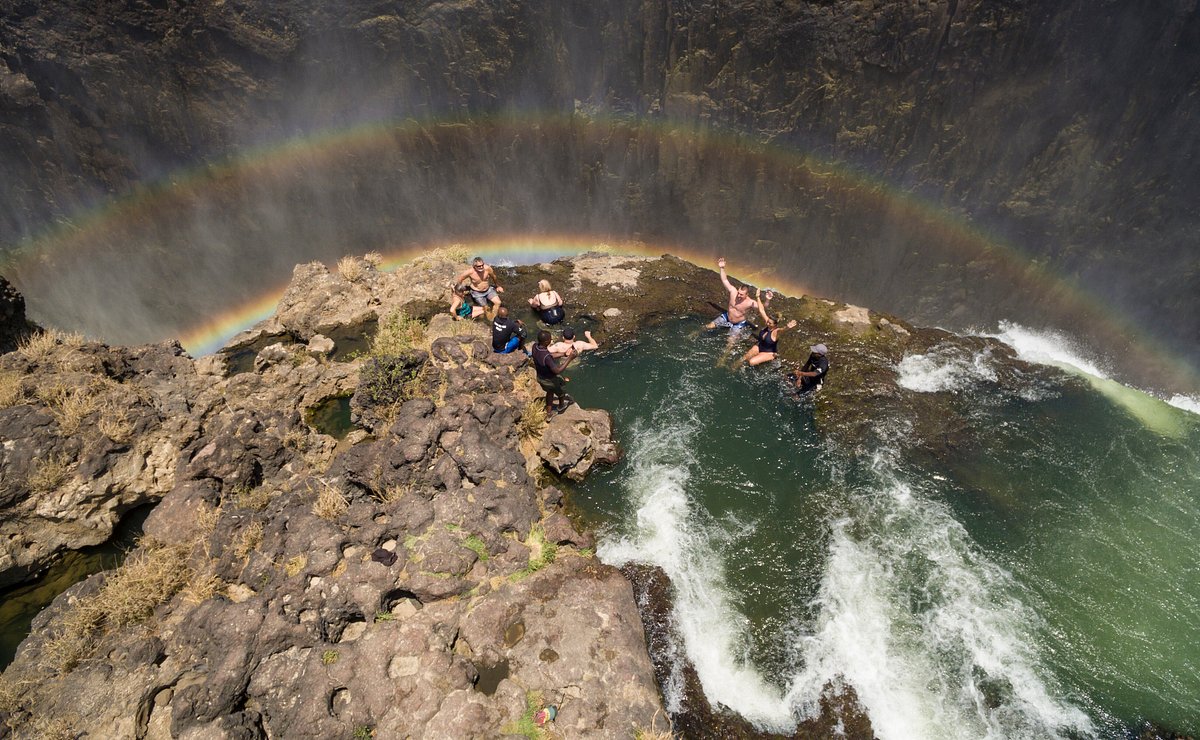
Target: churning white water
(672, 533)
(932, 636)
(1048, 348)
(944, 369)
(1187, 403)
(1058, 350)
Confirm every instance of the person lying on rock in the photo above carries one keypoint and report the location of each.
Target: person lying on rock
(548, 303)
(485, 287)
(549, 372)
(507, 334)
(810, 376)
(740, 303)
(460, 306)
(569, 342)
(768, 336)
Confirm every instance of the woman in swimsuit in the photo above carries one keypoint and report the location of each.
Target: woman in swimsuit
(768, 337)
(548, 303)
(460, 306)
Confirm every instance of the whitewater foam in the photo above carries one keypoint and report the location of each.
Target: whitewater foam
(1053, 348)
(670, 532)
(1187, 403)
(927, 631)
(1048, 348)
(944, 369)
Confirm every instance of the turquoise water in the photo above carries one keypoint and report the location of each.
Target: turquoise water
(1039, 581)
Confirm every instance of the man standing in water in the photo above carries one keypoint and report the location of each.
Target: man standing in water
(485, 288)
(549, 372)
(740, 303)
(812, 373)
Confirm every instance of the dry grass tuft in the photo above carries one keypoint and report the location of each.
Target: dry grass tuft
(330, 503)
(373, 260)
(533, 420)
(456, 253)
(295, 565)
(391, 494)
(201, 588)
(49, 473)
(350, 267)
(53, 728)
(146, 579)
(38, 347)
(114, 422)
(255, 499)
(248, 540)
(71, 405)
(11, 390)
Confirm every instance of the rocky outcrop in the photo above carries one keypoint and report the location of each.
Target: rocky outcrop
(410, 580)
(578, 439)
(13, 325)
(416, 574)
(89, 433)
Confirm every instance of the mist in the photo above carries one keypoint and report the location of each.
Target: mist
(954, 163)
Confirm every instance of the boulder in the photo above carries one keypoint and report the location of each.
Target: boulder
(577, 439)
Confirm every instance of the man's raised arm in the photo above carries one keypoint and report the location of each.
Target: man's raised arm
(724, 279)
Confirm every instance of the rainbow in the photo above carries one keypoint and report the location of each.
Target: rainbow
(73, 236)
(212, 334)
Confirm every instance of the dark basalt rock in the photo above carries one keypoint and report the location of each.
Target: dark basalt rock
(13, 325)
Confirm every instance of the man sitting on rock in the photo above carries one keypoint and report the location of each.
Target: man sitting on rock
(549, 372)
(507, 333)
(569, 342)
(485, 287)
(812, 373)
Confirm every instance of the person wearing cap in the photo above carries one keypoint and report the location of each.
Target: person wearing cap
(569, 342)
(812, 373)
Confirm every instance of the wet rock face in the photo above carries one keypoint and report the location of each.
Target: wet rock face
(1067, 124)
(13, 325)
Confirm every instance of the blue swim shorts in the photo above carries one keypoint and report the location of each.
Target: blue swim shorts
(723, 322)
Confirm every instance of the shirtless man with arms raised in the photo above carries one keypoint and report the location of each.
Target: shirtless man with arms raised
(485, 287)
(740, 304)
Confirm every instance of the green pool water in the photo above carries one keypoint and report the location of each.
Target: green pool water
(1042, 582)
(20, 604)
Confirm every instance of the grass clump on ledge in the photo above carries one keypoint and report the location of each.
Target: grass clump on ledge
(350, 267)
(541, 553)
(330, 503)
(11, 390)
(49, 473)
(533, 420)
(39, 346)
(148, 578)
